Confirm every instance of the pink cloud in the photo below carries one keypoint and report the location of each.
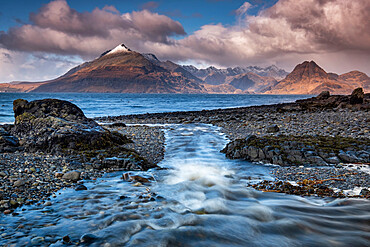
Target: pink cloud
(57, 28)
(284, 34)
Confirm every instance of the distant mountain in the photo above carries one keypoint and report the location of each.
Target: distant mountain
(309, 78)
(121, 70)
(215, 76)
(253, 83)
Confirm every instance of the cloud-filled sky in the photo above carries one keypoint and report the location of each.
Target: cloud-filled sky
(40, 39)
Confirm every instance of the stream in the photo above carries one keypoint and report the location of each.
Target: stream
(199, 198)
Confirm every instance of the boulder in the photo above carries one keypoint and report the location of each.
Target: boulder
(357, 96)
(60, 127)
(272, 129)
(56, 126)
(323, 95)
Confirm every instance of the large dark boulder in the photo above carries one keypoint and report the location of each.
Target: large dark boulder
(60, 127)
(54, 126)
(357, 96)
(323, 95)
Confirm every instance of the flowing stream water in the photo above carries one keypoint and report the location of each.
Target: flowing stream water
(199, 198)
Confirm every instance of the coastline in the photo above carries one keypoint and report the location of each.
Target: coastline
(337, 179)
(43, 173)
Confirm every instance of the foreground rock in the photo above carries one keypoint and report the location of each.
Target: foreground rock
(326, 101)
(52, 145)
(60, 127)
(300, 150)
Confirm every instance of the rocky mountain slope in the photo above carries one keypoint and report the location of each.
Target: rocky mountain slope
(122, 71)
(215, 76)
(309, 78)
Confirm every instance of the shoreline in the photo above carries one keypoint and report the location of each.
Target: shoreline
(38, 170)
(290, 119)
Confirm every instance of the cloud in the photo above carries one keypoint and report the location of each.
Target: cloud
(283, 32)
(22, 66)
(335, 33)
(57, 28)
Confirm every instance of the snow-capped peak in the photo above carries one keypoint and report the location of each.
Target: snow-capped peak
(119, 48)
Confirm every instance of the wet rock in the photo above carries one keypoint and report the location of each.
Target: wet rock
(58, 126)
(346, 157)
(20, 182)
(333, 160)
(357, 96)
(66, 239)
(48, 203)
(37, 240)
(297, 150)
(272, 129)
(73, 176)
(365, 193)
(135, 178)
(88, 238)
(81, 187)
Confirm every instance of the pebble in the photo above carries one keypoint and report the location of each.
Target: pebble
(73, 175)
(80, 187)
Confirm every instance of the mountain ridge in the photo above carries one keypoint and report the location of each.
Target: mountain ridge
(310, 78)
(121, 70)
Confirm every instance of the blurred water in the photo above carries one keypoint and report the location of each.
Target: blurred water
(200, 199)
(108, 104)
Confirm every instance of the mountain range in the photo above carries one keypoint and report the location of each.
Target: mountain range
(122, 70)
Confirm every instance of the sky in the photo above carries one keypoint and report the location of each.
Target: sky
(42, 39)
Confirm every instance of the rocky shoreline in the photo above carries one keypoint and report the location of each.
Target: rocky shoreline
(324, 132)
(32, 170)
(52, 145)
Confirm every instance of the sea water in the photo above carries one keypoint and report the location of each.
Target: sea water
(109, 104)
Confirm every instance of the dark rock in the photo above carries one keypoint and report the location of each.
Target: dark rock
(272, 129)
(135, 178)
(55, 126)
(8, 143)
(80, 187)
(66, 239)
(323, 95)
(296, 150)
(118, 124)
(60, 127)
(88, 238)
(357, 96)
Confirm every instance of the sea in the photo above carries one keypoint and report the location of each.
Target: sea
(198, 198)
(112, 104)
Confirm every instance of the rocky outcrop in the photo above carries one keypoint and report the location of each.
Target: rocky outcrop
(8, 143)
(60, 127)
(299, 150)
(326, 101)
